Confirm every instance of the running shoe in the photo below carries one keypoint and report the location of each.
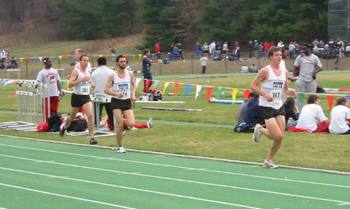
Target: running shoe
(62, 130)
(257, 133)
(121, 149)
(149, 123)
(269, 164)
(92, 141)
(132, 128)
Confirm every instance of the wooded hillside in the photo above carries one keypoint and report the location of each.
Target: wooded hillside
(167, 21)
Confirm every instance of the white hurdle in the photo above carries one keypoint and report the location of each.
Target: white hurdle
(30, 100)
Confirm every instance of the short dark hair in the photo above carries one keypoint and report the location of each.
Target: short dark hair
(273, 50)
(341, 101)
(146, 51)
(101, 61)
(82, 56)
(120, 56)
(46, 59)
(312, 99)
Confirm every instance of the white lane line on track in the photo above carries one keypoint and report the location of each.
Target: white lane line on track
(178, 180)
(167, 154)
(127, 188)
(182, 167)
(64, 196)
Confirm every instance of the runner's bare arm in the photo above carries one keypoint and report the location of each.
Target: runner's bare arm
(261, 77)
(73, 79)
(133, 87)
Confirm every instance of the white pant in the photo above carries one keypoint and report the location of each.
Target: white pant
(306, 87)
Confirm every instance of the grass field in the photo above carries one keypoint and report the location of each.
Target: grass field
(209, 133)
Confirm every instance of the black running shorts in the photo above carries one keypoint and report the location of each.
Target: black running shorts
(269, 112)
(122, 104)
(79, 100)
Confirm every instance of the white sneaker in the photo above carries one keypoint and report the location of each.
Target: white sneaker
(149, 123)
(62, 129)
(121, 149)
(133, 128)
(269, 164)
(257, 133)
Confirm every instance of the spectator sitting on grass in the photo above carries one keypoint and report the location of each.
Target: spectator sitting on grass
(311, 118)
(253, 68)
(291, 112)
(249, 115)
(340, 117)
(244, 69)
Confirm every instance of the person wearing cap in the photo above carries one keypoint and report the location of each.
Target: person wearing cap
(306, 65)
(50, 77)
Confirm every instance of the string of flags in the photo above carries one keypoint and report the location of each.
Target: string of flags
(72, 57)
(220, 90)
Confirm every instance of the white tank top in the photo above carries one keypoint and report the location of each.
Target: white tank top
(82, 88)
(122, 85)
(274, 85)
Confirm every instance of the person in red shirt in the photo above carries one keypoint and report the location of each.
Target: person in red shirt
(157, 50)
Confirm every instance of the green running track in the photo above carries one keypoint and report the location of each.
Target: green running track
(40, 174)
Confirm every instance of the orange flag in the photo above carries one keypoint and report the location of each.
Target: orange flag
(208, 94)
(330, 100)
(176, 88)
(246, 93)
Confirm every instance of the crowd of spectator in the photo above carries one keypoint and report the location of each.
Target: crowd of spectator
(6, 61)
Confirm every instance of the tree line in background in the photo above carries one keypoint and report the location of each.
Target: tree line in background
(172, 21)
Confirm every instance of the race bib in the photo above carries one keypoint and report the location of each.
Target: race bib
(84, 90)
(276, 93)
(123, 88)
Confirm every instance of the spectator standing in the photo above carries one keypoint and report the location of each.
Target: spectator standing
(257, 48)
(3, 57)
(340, 117)
(205, 47)
(225, 50)
(212, 49)
(237, 52)
(157, 50)
(146, 70)
(308, 66)
(181, 56)
(99, 77)
(204, 62)
(113, 54)
(250, 49)
(50, 77)
(197, 49)
(291, 50)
